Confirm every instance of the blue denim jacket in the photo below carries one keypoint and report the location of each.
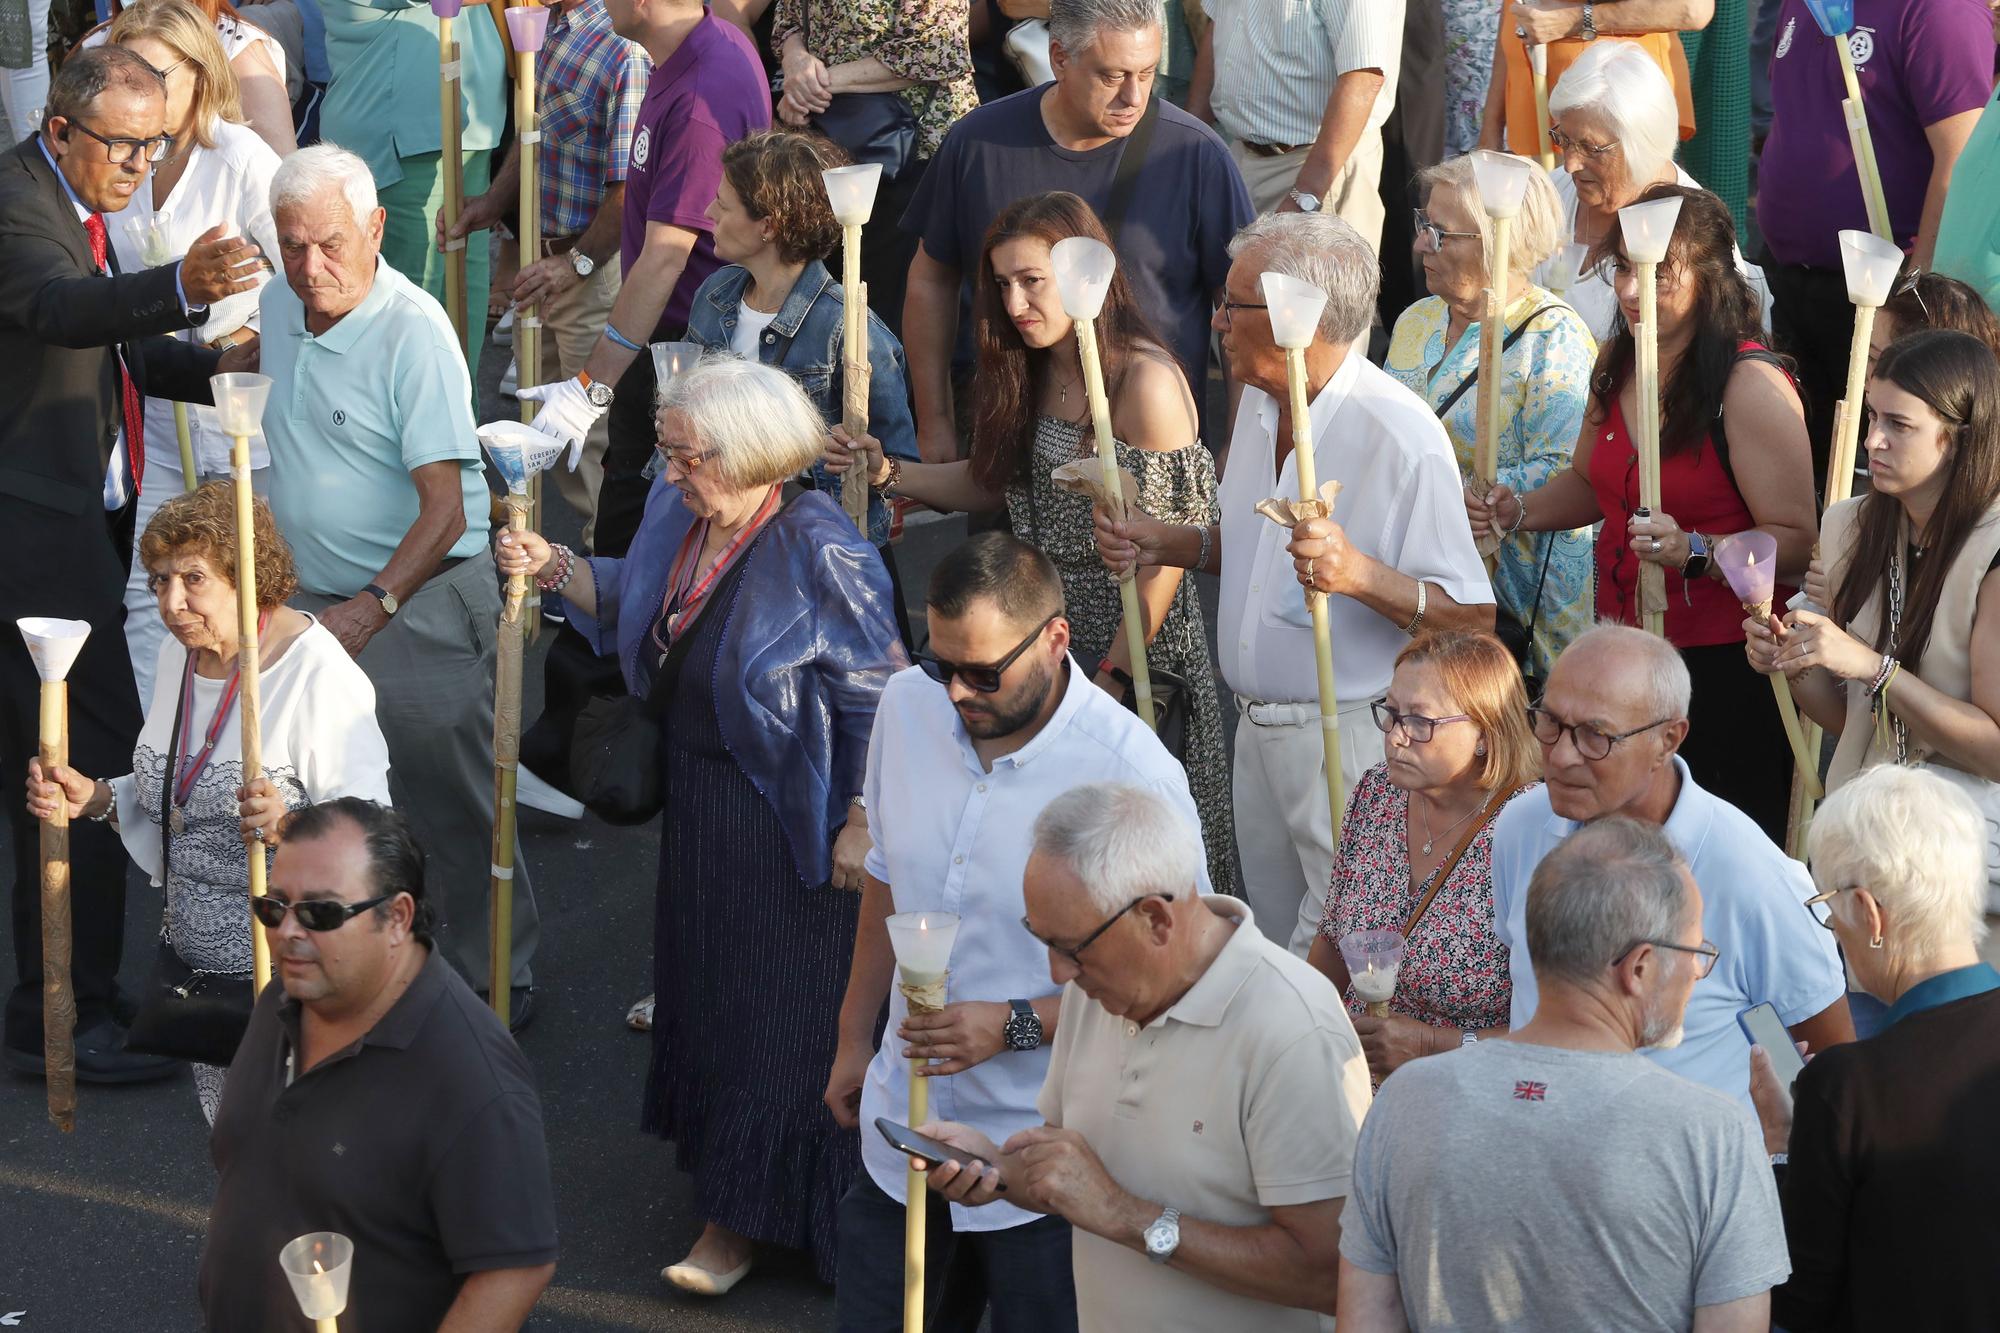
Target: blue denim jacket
(804, 342)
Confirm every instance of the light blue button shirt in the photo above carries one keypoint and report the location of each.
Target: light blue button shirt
(352, 412)
(1753, 910)
(952, 837)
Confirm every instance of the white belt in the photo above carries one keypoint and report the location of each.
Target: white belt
(1263, 714)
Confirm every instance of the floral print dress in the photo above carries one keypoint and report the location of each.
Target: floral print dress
(922, 40)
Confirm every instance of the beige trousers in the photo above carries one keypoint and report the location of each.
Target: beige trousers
(1356, 194)
(570, 329)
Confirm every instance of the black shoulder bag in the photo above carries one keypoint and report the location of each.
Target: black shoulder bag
(872, 127)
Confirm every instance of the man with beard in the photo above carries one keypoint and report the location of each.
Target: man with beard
(1609, 723)
(1555, 1178)
(969, 746)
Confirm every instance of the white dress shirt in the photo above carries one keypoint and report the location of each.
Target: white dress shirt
(1402, 503)
(951, 836)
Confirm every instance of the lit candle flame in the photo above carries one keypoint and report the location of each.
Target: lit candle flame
(317, 1268)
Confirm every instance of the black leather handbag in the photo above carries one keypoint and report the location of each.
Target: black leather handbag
(614, 758)
(872, 127)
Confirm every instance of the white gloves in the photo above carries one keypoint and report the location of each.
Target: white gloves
(566, 413)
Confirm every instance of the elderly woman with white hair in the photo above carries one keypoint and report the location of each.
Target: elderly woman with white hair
(1541, 580)
(760, 634)
(1885, 1147)
(1614, 125)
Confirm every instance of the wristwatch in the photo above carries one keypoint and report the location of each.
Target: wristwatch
(599, 394)
(1023, 1030)
(1307, 201)
(1164, 1236)
(1696, 565)
(1589, 29)
(581, 262)
(388, 599)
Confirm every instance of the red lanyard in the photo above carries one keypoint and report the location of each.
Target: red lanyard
(193, 764)
(685, 593)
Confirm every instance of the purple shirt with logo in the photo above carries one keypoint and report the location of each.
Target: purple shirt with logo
(709, 93)
(1919, 62)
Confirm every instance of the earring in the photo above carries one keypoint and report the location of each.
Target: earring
(1480, 750)
(1875, 943)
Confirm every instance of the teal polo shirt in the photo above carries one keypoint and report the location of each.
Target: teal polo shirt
(351, 413)
(1968, 234)
(1958, 984)
(383, 100)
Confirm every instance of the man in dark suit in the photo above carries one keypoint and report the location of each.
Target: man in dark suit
(80, 345)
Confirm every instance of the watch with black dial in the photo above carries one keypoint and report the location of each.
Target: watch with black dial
(1023, 1031)
(1696, 564)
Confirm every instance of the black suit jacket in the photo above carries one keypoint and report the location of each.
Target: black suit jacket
(59, 400)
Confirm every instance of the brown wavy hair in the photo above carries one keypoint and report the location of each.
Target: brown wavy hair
(1009, 377)
(777, 176)
(1933, 301)
(203, 522)
(1479, 672)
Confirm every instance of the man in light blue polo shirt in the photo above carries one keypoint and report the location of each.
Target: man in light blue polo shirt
(376, 482)
(1610, 721)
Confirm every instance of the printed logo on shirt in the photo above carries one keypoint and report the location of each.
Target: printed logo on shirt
(339, 417)
(641, 147)
(1785, 40)
(1527, 1091)
(1197, 1126)
(1861, 45)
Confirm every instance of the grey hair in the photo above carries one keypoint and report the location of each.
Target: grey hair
(308, 173)
(1122, 842)
(756, 416)
(1918, 845)
(1537, 228)
(1620, 82)
(1326, 251)
(1665, 682)
(1613, 883)
(87, 75)
(1075, 24)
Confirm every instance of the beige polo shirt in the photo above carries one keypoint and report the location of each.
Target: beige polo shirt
(1244, 1096)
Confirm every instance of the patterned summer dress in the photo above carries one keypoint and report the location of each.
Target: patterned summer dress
(1176, 486)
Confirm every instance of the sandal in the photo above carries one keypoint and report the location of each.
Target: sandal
(640, 1016)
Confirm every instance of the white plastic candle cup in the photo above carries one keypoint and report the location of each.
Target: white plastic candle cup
(447, 9)
(1295, 308)
(1373, 957)
(53, 643)
(527, 26)
(1647, 229)
(318, 1265)
(239, 401)
(1871, 264)
(922, 942)
(1502, 179)
(670, 362)
(851, 192)
(1749, 561)
(1083, 274)
(1566, 269)
(151, 237)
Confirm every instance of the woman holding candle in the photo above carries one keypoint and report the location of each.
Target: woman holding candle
(759, 634)
(1734, 456)
(1540, 579)
(255, 57)
(1415, 848)
(317, 721)
(1030, 416)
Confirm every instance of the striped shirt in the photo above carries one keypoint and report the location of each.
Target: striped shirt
(1276, 62)
(591, 82)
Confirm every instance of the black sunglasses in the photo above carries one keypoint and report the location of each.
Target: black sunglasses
(1072, 953)
(985, 679)
(315, 914)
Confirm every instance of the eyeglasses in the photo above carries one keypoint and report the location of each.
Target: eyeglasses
(163, 73)
(1564, 143)
(120, 151)
(1705, 954)
(315, 914)
(1230, 307)
(1591, 743)
(1416, 726)
(1428, 230)
(1073, 953)
(686, 462)
(1821, 904)
(984, 679)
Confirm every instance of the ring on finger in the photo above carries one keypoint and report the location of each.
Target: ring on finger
(1656, 546)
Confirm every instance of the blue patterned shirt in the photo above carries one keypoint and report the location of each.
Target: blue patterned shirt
(591, 82)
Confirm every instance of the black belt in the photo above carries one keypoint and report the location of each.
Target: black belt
(1273, 149)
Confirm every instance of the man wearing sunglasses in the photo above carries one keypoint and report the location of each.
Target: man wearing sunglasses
(81, 345)
(1609, 723)
(970, 745)
(374, 1087)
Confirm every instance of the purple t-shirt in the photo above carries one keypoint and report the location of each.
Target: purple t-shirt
(1919, 62)
(710, 92)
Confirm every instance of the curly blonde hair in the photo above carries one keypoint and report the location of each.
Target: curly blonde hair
(203, 523)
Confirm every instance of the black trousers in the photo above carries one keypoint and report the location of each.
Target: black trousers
(1412, 140)
(1813, 323)
(886, 249)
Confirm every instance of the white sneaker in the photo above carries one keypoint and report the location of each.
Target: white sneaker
(536, 794)
(503, 332)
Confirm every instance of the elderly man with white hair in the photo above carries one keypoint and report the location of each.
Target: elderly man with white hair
(1203, 1097)
(376, 481)
(1396, 557)
(1610, 722)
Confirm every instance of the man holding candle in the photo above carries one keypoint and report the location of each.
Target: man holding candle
(969, 747)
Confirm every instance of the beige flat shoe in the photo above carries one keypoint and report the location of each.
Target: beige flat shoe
(695, 1278)
(640, 1016)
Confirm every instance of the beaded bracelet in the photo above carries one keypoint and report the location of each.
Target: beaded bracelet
(1876, 686)
(565, 563)
(1207, 541)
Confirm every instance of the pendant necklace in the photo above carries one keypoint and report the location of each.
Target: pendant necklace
(1423, 812)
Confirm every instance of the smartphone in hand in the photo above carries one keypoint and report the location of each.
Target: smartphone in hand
(926, 1149)
(1761, 1025)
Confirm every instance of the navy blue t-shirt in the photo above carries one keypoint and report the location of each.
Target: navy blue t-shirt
(1174, 242)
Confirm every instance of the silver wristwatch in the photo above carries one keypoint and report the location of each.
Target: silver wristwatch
(1307, 201)
(1468, 1038)
(581, 262)
(1164, 1236)
(1588, 31)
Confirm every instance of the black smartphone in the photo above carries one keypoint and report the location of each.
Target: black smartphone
(906, 1140)
(1760, 1024)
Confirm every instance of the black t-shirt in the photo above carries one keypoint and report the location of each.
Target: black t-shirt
(422, 1143)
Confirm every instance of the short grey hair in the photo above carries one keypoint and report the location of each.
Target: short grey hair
(755, 416)
(1915, 842)
(308, 173)
(1613, 883)
(1122, 842)
(1537, 229)
(1075, 24)
(1665, 684)
(1620, 82)
(1326, 251)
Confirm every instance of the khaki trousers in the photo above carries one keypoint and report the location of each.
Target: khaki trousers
(1356, 194)
(570, 329)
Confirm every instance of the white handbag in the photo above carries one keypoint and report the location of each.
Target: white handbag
(1027, 45)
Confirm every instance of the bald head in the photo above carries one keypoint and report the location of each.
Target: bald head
(1631, 690)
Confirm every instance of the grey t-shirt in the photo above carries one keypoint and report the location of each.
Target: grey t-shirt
(1511, 1186)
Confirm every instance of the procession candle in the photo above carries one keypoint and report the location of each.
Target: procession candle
(1749, 560)
(1835, 18)
(851, 192)
(1870, 265)
(527, 28)
(1538, 66)
(1373, 958)
(1567, 268)
(453, 161)
(1647, 229)
(319, 1266)
(1502, 182)
(922, 942)
(154, 251)
(53, 645)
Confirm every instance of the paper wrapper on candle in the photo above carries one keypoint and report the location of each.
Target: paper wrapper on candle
(1085, 476)
(924, 997)
(1288, 513)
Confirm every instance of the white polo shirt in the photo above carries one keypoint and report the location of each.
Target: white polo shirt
(1246, 1095)
(950, 836)
(1402, 503)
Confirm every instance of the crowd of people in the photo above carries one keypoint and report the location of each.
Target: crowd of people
(1167, 1086)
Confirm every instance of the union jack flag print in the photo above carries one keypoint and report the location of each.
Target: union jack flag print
(1528, 1091)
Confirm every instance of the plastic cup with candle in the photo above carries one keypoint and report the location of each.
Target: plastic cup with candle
(922, 942)
(1373, 958)
(850, 191)
(670, 361)
(1566, 269)
(1647, 229)
(1870, 265)
(319, 1266)
(53, 645)
(150, 235)
(1749, 561)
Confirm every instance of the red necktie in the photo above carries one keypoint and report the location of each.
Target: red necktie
(135, 411)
